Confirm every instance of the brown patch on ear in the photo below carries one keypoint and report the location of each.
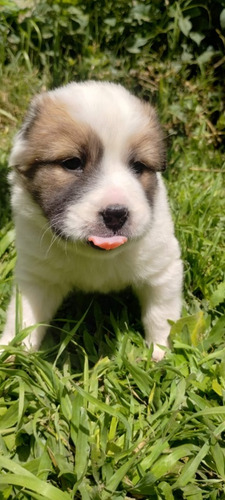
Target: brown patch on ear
(31, 116)
(148, 145)
(51, 134)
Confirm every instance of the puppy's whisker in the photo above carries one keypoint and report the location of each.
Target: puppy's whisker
(54, 238)
(46, 228)
(57, 236)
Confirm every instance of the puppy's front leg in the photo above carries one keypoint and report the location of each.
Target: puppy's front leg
(160, 301)
(39, 302)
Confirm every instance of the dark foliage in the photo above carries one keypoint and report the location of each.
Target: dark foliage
(81, 35)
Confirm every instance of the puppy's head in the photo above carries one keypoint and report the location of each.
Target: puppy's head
(89, 154)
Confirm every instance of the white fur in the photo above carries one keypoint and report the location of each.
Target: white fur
(48, 267)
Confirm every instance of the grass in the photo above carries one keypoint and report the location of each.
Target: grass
(117, 428)
(91, 416)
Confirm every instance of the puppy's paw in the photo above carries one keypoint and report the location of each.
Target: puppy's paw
(158, 353)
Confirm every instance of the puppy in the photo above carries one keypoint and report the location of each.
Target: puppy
(90, 208)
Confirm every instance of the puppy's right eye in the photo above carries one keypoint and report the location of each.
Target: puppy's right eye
(138, 167)
(73, 164)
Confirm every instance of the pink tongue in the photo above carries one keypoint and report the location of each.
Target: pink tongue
(108, 243)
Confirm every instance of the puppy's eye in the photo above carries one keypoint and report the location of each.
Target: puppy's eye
(73, 164)
(138, 167)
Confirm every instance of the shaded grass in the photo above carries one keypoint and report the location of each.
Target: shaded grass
(121, 428)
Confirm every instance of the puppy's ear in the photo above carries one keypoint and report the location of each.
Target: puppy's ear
(20, 148)
(161, 164)
(21, 151)
(31, 116)
(163, 158)
(163, 167)
(152, 143)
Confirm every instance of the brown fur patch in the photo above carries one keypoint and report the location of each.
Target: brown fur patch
(54, 135)
(51, 137)
(148, 146)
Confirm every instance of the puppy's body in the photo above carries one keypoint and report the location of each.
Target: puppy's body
(86, 178)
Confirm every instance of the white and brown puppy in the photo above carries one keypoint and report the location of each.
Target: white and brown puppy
(90, 207)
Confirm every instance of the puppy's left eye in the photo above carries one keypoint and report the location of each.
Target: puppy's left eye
(73, 164)
(138, 167)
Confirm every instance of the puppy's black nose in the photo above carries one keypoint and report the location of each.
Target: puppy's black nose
(115, 216)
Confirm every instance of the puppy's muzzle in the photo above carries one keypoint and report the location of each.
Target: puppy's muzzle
(115, 216)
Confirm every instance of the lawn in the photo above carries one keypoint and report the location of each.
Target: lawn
(91, 416)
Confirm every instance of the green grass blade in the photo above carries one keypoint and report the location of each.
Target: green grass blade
(6, 241)
(82, 445)
(114, 481)
(190, 468)
(35, 485)
(100, 405)
(10, 418)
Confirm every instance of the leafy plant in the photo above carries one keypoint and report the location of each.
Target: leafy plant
(76, 36)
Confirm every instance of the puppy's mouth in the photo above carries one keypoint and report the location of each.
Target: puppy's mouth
(108, 243)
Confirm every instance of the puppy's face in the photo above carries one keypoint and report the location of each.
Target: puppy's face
(88, 153)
